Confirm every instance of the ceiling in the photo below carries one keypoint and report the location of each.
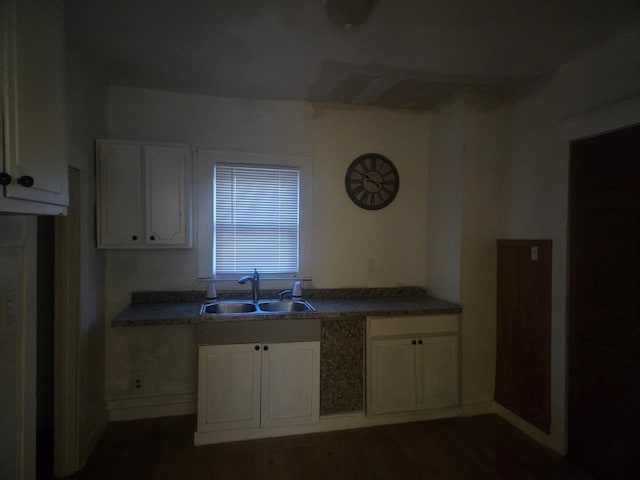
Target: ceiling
(407, 54)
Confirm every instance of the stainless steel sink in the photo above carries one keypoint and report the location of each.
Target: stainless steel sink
(285, 306)
(228, 307)
(267, 306)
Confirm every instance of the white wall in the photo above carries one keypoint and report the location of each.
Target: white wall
(344, 236)
(467, 180)
(444, 202)
(484, 177)
(544, 121)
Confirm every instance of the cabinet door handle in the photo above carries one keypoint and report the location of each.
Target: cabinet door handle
(413, 342)
(265, 348)
(152, 237)
(26, 181)
(420, 341)
(134, 237)
(5, 179)
(257, 347)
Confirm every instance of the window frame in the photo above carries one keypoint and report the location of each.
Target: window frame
(205, 161)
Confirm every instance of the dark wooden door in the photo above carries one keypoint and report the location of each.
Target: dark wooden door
(523, 353)
(604, 304)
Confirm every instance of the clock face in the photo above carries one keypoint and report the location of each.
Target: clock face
(372, 181)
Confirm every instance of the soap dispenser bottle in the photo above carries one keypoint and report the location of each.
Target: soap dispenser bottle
(296, 290)
(212, 293)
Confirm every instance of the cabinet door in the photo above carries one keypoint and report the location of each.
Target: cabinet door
(392, 376)
(290, 383)
(229, 387)
(120, 195)
(167, 205)
(33, 89)
(437, 372)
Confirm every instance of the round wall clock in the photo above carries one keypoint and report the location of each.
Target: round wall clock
(372, 181)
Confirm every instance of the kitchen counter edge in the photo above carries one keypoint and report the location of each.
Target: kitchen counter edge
(187, 313)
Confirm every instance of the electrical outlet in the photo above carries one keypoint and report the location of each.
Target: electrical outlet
(371, 265)
(137, 383)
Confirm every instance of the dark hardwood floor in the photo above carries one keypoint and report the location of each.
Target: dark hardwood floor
(477, 448)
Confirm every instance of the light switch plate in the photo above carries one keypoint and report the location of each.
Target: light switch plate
(9, 309)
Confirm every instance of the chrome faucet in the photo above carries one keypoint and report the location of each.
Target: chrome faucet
(255, 284)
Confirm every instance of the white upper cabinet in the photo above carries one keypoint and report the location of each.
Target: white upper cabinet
(34, 159)
(144, 195)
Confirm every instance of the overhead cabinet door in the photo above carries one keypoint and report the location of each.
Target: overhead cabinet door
(166, 212)
(120, 193)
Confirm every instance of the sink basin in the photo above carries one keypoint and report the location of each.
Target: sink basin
(268, 306)
(230, 307)
(285, 306)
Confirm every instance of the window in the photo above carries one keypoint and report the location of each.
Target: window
(256, 219)
(253, 211)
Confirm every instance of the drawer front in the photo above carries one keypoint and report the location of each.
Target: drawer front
(412, 325)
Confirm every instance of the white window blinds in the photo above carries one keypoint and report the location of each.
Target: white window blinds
(256, 219)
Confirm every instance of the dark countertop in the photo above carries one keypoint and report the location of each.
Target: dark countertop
(180, 313)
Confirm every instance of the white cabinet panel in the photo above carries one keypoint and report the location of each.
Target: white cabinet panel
(144, 195)
(165, 180)
(437, 377)
(33, 107)
(290, 383)
(229, 387)
(393, 377)
(120, 193)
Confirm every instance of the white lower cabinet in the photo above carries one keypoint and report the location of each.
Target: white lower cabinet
(412, 363)
(257, 385)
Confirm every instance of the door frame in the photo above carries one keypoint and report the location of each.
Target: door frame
(67, 311)
(22, 233)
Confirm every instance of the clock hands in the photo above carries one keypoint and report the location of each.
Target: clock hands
(377, 184)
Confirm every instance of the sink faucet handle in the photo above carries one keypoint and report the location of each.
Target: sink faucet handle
(283, 293)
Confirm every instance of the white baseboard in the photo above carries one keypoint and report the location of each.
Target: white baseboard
(95, 433)
(151, 407)
(325, 424)
(522, 425)
(481, 408)
(185, 404)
